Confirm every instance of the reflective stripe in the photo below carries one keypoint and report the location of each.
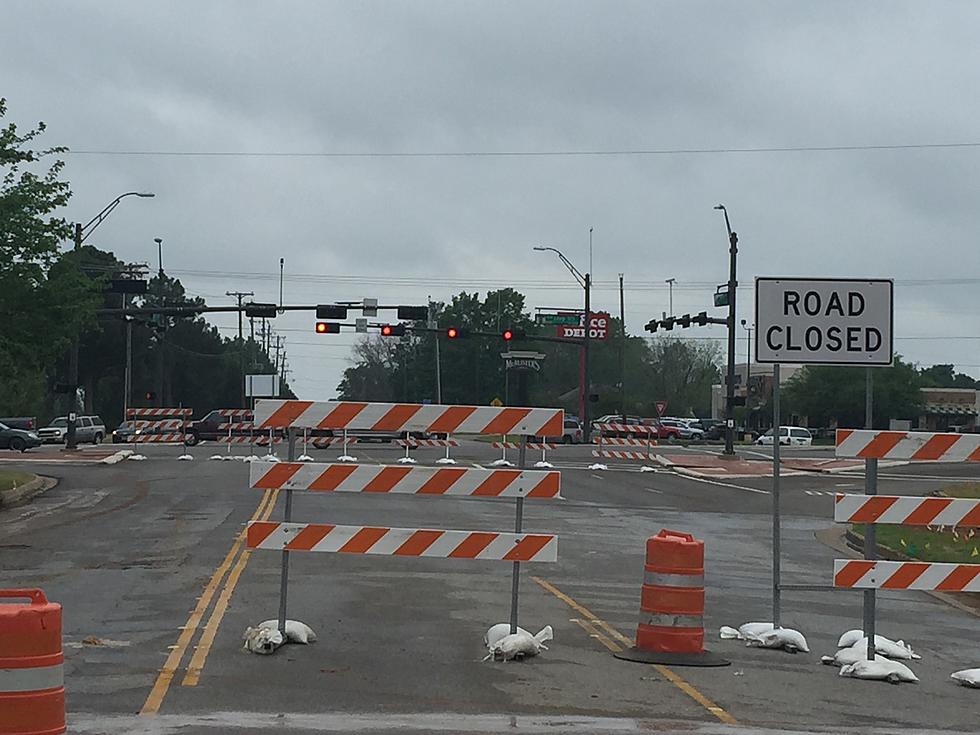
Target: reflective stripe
(669, 620)
(28, 680)
(673, 580)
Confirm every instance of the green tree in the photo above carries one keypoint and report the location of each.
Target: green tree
(35, 279)
(828, 394)
(944, 376)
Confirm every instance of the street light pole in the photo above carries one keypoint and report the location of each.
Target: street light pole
(730, 383)
(670, 292)
(159, 242)
(585, 281)
(80, 236)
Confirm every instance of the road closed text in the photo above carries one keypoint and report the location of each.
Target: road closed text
(833, 321)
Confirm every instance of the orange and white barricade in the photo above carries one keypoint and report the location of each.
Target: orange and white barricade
(413, 443)
(914, 446)
(158, 424)
(516, 547)
(671, 627)
(32, 678)
(505, 445)
(610, 435)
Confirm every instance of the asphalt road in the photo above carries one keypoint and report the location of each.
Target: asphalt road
(143, 556)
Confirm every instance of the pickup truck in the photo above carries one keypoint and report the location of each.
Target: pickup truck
(206, 429)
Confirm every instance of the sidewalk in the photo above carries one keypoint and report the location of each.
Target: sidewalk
(713, 465)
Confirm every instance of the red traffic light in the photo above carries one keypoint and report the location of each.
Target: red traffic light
(327, 328)
(508, 335)
(452, 332)
(392, 330)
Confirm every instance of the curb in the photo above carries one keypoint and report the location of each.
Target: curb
(26, 492)
(117, 457)
(848, 542)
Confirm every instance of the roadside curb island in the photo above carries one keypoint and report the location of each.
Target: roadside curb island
(21, 494)
(848, 542)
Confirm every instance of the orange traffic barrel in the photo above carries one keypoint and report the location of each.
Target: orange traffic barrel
(671, 627)
(32, 680)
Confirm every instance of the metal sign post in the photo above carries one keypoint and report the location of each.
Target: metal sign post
(287, 517)
(870, 539)
(518, 528)
(776, 522)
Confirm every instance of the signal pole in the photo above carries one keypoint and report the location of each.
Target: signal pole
(730, 382)
(241, 337)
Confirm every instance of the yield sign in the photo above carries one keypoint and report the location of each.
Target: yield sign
(661, 407)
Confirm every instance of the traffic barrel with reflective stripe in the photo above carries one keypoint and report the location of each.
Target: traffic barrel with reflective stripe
(32, 687)
(671, 627)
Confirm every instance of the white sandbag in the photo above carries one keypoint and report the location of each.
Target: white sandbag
(296, 631)
(262, 640)
(895, 650)
(727, 633)
(967, 677)
(185, 458)
(598, 466)
(786, 638)
(496, 632)
(137, 458)
(893, 672)
(745, 632)
(849, 638)
(520, 645)
(846, 656)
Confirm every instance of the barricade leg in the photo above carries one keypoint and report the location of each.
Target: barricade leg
(671, 627)
(447, 459)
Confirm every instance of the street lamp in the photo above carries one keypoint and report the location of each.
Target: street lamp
(159, 242)
(748, 347)
(82, 233)
(585, 281)
(730, 386)
(670, 291)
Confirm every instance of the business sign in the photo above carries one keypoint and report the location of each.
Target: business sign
(262, 386)
(598, 328)
(824, 321)
(523, 360)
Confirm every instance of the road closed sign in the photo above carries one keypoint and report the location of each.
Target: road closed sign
(825, 321)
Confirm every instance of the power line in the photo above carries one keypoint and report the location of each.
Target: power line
(568, 153)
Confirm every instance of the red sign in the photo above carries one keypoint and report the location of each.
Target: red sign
(598, 328)
(661, 407)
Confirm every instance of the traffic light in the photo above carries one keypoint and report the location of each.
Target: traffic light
(684, 321)
(457, 332)
(700, 319)
(327, 328)
(331, 311)
(652, 325)
(668, 323)
(392, 330)
(413, 313)
(509, 334)
(258, 311)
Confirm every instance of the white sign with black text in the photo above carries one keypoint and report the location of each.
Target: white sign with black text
(824, 321)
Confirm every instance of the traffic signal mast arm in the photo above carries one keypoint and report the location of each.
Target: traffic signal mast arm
(701, 319)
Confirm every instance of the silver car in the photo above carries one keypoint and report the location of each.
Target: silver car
(88, 429)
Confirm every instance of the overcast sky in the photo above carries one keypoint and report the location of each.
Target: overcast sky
(361, 77)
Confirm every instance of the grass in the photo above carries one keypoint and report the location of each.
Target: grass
(13, 478)
(925, 544)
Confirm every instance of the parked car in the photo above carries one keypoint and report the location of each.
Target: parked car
(615, 418)
(788, 436)
(684, 432)
(87, 429)
(18, 439)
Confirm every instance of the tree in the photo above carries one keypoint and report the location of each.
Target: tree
(34, 279)
(944, 376)
(828, 394)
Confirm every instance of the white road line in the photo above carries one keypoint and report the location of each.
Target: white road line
(724, 484)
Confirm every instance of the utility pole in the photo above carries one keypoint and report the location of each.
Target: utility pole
(622, 351)
(241, 337)
(730, 383)
(586, 373)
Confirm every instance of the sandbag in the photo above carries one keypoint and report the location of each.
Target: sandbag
(846, 656)
(262, 640)
(967, 677)
(520, 645)
(296, 631)
(893, 672)
(786, 638)
(895, 650)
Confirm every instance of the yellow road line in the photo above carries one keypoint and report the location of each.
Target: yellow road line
(155, 698)
(598, 635)
(678, 681)
(200, 656)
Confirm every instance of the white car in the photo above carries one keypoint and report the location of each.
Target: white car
(795, 436)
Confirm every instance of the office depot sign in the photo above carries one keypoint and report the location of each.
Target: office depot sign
(598, 328)
(827, 321)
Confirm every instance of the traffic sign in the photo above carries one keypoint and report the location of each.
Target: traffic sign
(570, 319)
(830, 321)
(661, 407)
